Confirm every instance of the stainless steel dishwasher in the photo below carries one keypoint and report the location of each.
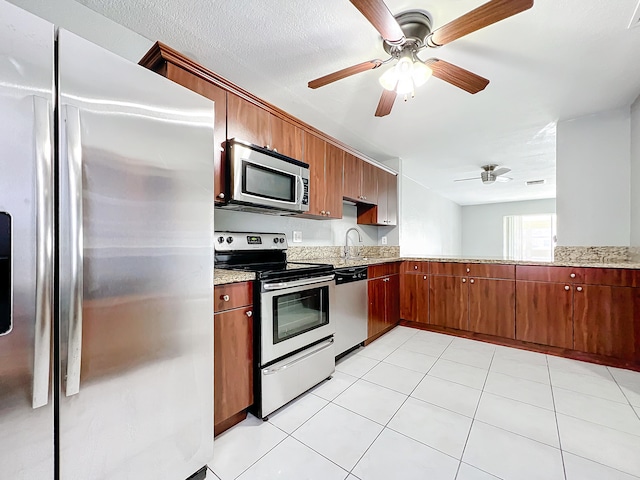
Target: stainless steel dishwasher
(350, 306)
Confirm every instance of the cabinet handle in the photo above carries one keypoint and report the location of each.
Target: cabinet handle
(425, 277)
(221, 195)
(567, 287)
(573, 275)
(249, 314)
(464, 280)
(415, 267)
(468, 270)
(385, 279)
(579, 289)
(472, 281)
(225, 298)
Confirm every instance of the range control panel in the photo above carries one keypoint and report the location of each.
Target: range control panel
(234, 241)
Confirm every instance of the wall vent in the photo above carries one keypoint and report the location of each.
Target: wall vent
(535, 182)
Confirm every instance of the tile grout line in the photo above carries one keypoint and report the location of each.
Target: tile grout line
(397, 410)
(474, 415)
(624, 394)
(555, 414)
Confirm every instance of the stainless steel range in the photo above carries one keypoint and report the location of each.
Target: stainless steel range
(294, 329)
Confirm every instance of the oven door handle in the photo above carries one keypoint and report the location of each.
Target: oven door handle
(323, 346)
(298, 283)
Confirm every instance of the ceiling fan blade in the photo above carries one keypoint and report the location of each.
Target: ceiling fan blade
(483, 16)
(503, 179)
(501, 171)
(386, 103)
(379, 15)
(457, 76)
(344, 73)
(465, 179)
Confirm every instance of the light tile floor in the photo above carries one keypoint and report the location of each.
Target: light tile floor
(422, 405)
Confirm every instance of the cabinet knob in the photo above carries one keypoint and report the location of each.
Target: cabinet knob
(415, 267)
(322, 212)
(573, 275)
(249, 314)
(225, 298)
(385, 280)
(221, 195)
(468, 270)
(275, 150)
(579, 289)
(365, 197)
(464, 280)
(328, 213)
(425, 277)
(472, 281)
(267, 147)
(567, 287)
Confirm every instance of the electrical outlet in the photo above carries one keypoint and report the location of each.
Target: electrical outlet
(384, 240)
(297, 236)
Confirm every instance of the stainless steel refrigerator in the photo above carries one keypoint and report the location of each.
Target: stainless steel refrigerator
(106, 265)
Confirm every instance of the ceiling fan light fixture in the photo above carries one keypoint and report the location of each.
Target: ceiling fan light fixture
(405, 75)
(421, 73)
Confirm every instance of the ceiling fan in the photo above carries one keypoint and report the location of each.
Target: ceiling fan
(489, 174)
(406, 34)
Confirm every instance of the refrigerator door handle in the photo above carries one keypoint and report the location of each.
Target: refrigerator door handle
(74, 160)
(44, 251)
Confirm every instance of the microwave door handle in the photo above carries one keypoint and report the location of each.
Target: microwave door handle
(299, 190)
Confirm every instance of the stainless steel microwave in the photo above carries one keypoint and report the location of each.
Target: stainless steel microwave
(259, 179)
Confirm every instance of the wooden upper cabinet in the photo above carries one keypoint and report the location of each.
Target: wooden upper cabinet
(286, 138)
(352, 180)
(386, 211)
(247, 121)
(314, 153)
(370, 183)
(333, 168)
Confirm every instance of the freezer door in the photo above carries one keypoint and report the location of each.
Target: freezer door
(26, 114)
(136, 270)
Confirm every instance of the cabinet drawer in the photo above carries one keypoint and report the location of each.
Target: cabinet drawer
(383, 269)
(615, 277)
(233, 295)
(449, 268)
(491, 270)
(415, 267)
(549, 274)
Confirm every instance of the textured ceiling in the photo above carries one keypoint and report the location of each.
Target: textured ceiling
(559, 60)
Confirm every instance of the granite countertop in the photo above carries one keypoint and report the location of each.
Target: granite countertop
(223, 277)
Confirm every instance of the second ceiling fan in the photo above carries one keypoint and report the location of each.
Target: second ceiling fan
(410, 32)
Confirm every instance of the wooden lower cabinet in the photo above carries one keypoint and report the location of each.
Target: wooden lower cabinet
(492, 306)
(544, 313)
(392, 294)
(384, 303)
(414, 297)
(604, 320)
(449, 302)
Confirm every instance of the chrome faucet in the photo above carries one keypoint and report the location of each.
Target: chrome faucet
(346, 241)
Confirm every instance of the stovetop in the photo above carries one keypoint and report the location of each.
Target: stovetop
(283, 271)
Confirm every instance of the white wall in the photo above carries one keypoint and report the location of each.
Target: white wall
(314, 232)
(429, 224)
(482, 225)
(88, 24)
(635, 173)
(593, 180)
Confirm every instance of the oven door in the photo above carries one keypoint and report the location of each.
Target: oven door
(294, 314)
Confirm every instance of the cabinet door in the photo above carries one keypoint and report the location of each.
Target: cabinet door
(604, 320)
(286, 138)
(333, 167)
(247, 122)
(544, 313)
(414, 297)
(314, 153)
(369, 183)
(352, 179)
(449, 302)
(377, 305)
(219, 97)
(492, 307)
(233, 363)
(392, 300)
(392, 199)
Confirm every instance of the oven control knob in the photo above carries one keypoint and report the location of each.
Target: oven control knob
(282, 240)
(229, 239)
(220, 239)
(275, 240)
